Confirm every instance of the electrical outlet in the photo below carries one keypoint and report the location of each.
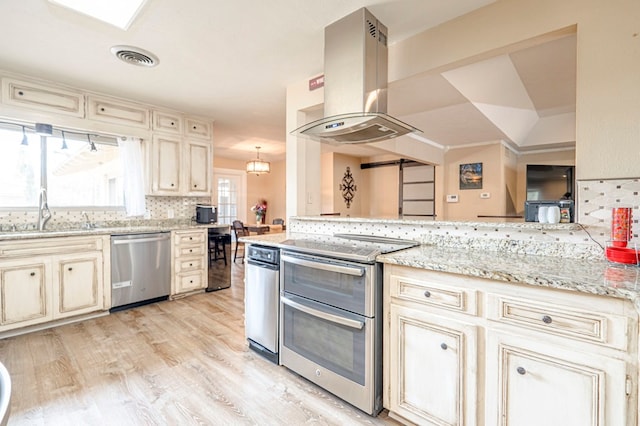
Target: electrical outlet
(485, 195)
(170, 214)
(452, 198)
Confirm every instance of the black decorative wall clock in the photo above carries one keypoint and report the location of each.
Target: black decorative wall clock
(348, 187)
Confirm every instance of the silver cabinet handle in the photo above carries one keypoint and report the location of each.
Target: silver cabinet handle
(323, 315)
(358, 272)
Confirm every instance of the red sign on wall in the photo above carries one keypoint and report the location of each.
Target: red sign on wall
(316, 83)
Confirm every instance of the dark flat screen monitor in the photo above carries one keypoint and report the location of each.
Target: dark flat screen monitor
(545, 182)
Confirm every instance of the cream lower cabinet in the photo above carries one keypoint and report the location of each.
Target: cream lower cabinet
(467, 351)
(25, 292)
(189, 254)
(533, 383)
(77, 284)
(433, 364)
(51, 278)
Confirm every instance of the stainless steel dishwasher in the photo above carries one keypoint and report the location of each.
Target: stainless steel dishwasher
(262, 300)
(140, 269)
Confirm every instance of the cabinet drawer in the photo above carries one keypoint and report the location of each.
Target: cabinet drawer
(188, 265)
(585, 325)
(167, 122)
(191, 281)
(50, 246)
(434, 291)
(184, 251)
(117, 112)
(42, 97)
(190, 238)
(198, 128)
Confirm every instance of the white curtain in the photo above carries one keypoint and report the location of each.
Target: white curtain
(131, 158)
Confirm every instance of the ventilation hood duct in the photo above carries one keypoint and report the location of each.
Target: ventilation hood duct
(355, 84)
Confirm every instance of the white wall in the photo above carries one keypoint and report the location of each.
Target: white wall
(608, 81)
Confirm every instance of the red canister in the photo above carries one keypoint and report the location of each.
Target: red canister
(620, 226)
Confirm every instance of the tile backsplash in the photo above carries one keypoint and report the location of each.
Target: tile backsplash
(158, 208)
(596, 198)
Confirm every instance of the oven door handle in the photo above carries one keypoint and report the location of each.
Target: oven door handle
(358, 272)
(323, 315)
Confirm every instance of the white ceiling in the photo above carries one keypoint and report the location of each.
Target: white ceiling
(232, 61)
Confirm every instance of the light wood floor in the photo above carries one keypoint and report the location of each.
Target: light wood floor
(182, 362)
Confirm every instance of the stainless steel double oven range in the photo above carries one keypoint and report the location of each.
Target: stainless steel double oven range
(331, 314)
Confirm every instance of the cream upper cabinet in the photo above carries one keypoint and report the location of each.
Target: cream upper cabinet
(197, 128)
(189, 254)
(198, 168)
(533, 383)
(167, 122)
(42, 97)
(433, 368)
(78, 285)
(117, 111)
(25, 292)
(181, 168)
(465, 351)
(166, 160)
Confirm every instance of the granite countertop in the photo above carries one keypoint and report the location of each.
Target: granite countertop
(108, 229)
(597, 277)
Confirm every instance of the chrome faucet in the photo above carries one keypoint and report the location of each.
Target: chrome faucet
(87, 223)
(44, 214)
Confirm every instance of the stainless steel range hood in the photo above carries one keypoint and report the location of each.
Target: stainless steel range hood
(355, 84)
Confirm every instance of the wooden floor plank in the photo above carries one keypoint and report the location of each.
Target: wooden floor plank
(182, 362)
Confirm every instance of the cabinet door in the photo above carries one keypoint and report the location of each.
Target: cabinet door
(167, 122)
(530, 383)
(42, 97)
(433, 368)
(25, 294)
(165, 166)
(77, 286)
(116, 111)
(199, 168)
(195, 128)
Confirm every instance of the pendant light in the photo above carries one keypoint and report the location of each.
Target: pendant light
(64, 141)
(258, 166)
(25, 140)
(93, 145)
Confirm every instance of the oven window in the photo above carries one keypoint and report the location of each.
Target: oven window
(336, 347)
(333, 288)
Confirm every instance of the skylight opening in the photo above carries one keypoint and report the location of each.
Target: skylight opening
(119, 13)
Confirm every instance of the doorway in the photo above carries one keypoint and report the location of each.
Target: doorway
(230, 194)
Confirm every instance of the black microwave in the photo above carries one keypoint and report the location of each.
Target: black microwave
(206, 214)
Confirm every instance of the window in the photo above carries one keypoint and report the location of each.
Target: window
(78, 176)
(231, 189)
(75, 175)
(19, 169)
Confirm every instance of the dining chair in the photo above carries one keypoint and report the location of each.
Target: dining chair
(278, 221)
(239, 230)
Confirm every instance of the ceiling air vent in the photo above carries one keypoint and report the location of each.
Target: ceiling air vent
(135, 56)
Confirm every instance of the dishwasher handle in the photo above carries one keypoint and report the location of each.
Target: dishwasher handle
(264, 265)
(139, 240)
